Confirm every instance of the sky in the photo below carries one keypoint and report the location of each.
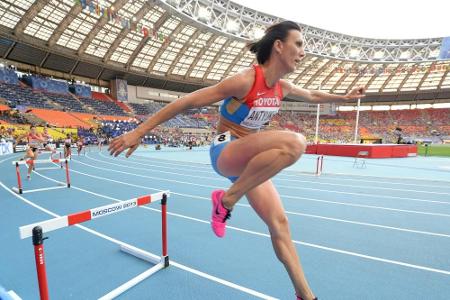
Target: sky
(381, 19)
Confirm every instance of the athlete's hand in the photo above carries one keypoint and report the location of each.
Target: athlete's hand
(128, 141)
(356, 93)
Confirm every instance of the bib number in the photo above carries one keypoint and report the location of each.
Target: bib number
(222, 138)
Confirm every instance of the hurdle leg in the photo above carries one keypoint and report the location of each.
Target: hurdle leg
(19, 181)
(38, 242)
(319, 165)
(164, 230)
(67, 174)
(161, 263)
(128, 285)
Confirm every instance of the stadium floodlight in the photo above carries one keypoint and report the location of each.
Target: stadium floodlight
(204, 14)
(257, 33)
(354, 53)
(334, 49)
(434, 53)
(378, 55)
(405, 54)
(232, 26)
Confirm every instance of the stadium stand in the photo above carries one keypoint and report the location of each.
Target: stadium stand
(60, 118)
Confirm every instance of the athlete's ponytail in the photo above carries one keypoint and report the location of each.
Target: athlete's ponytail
(263, 47)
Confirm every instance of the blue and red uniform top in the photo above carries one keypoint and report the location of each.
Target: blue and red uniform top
(257, 107)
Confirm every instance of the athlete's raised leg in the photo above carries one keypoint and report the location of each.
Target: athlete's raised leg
(256, 158)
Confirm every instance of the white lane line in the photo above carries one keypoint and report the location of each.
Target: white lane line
(248, 206)
(174, 161)
(350, 253)
(371, 206)
(279, 177)
(45, 189)
(9, 158)
(340, 178)
(283, 174)
(283, 196)
(443, 181)
(173, 263)
(150, 177)
(365, 187)
(152, 169)
(291, 186)
(373, 195)
(299, 172)
(369, 224)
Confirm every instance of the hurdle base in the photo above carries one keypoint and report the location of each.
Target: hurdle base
(17, 190)
(141, 254)
(45, 189)
(128, 285)
(166, 261)
(160, 263)
(48, 168)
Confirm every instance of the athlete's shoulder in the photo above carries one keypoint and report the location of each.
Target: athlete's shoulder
(241, 82)
(245, 76)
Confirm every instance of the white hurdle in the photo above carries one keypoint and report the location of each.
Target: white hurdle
(19, 188)
(37, 230)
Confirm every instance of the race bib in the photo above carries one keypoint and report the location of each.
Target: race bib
(222, 138)
(258, 116)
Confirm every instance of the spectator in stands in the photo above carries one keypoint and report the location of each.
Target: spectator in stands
(398, 134)
(3, 131)
(248, 157)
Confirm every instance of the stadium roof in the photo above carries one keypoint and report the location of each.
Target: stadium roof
(185, 44)
(383, 19)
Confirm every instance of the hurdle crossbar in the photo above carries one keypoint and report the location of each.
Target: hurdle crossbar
(319, 165)
(37, 230)
(31, 162)
(87, 215)
(53, 155)
(38, 161)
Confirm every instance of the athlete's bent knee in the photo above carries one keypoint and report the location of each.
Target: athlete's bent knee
(300, 144)
(294, 146)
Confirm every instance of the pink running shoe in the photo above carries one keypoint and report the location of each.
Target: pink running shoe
(220, 214)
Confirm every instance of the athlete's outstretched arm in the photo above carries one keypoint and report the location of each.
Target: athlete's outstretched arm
(314, 96)
(232, 86)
